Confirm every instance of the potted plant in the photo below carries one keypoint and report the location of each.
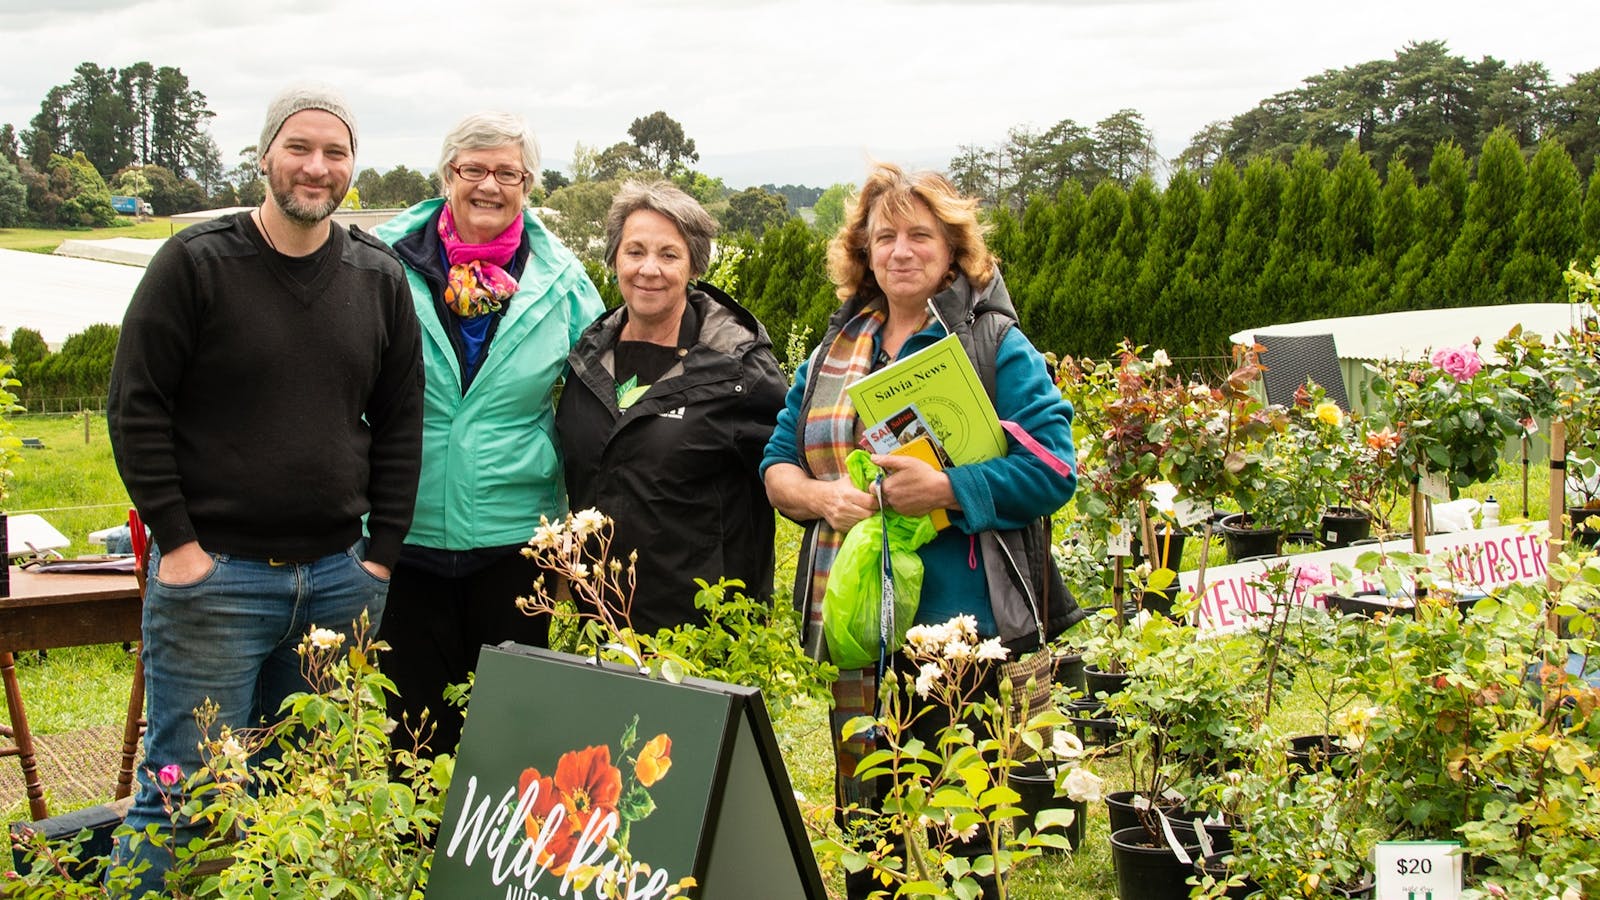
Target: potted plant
(1452, 413)
(1559, 381)
(1210, 435)
(1121, 408)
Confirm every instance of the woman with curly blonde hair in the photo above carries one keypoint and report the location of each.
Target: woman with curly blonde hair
(911, 266)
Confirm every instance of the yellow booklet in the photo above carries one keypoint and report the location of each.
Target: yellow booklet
(923, 448)
(940, 380)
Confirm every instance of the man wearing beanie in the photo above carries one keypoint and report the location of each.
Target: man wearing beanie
(265, 398)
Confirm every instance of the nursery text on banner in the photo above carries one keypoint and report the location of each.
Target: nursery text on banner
(1478, 560)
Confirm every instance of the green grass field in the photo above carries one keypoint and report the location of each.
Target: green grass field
(46, 240)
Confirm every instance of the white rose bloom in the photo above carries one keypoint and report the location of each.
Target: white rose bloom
(991, 650)
(325, 638)
(1083, 786)
(964, 625)
(957, 649)
(587, 521)
(926, 638)
(580, 571)
(546, 536)
(1065, 745)
(1161, 358)
(927, 677)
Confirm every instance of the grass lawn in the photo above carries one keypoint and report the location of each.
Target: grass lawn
(46, 240)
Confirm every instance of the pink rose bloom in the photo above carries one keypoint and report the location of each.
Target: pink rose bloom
(1309, 576)
(169, 775)
(1460, 363)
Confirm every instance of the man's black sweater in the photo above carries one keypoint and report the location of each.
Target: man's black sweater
(264, 416)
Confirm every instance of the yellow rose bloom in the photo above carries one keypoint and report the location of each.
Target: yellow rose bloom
(1330, 414)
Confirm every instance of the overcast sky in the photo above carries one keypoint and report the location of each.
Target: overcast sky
(771, 91)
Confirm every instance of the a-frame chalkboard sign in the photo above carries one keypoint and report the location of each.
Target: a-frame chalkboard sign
(572, 774)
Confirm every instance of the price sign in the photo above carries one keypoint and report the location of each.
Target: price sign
(1191, 512)
(1417, 870)
(1120, 541)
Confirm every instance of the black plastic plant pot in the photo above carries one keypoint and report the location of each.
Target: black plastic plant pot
(1068, 665)
(1092, 722)
(1036, 787)
(1147, 870)
(1343, 526)
(1216, 865)
(1098, 681)
(1318, 753)
(1244, 541)
(1371, 603)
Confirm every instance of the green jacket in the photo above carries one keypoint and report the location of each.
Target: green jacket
(491, 464)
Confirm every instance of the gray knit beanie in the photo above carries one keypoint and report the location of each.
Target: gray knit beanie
(299, 97)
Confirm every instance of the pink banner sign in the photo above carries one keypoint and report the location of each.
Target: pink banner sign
(1238, 595)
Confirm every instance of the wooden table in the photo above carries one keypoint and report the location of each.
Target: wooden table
(48, 611)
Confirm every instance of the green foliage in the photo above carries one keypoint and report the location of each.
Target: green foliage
(581, 223)
(80, 370)
(13, 195)
(829, 208)
(745, 641)
(662, 145)
(956, 785)
(337, 814)
(1451, 416)
(77, 195)
(397, 188)
(754, 211)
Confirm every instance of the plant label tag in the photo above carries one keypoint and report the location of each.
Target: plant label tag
(1417, 870)
(1120, 541)
(1434, 485)
(1190, 512)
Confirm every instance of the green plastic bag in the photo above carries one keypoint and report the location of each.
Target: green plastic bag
(851, 603)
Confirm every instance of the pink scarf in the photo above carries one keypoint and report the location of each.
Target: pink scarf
(478, 283)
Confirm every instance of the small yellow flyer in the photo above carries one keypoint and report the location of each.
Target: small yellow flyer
(945, 387)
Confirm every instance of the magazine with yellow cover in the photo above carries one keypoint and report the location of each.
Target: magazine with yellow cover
(940, 380)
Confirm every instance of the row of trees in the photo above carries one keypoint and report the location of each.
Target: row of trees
(1399, 109)
(659, 148)
(80, 370)
(142, 130)
(138, 115)
(1183, 268)
(1119, 149)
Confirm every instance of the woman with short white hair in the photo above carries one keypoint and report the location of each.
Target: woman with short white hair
(501, 302)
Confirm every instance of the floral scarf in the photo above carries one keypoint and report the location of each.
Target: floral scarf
(478, 284)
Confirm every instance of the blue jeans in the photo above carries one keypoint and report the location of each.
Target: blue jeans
(230, 637)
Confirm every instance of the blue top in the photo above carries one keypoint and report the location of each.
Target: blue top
(1002, 493)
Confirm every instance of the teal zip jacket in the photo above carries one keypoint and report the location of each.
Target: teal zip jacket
(491, 464)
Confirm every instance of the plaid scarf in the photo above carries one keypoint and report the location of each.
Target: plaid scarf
(832, 430)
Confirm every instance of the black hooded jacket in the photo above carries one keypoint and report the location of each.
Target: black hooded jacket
(677, 470)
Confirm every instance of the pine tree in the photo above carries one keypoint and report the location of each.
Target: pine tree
(1487, 239)
(1548, 229)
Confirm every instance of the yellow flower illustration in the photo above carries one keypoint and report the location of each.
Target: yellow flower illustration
(654, 760)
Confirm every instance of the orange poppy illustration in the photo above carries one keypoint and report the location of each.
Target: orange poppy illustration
(586, 784)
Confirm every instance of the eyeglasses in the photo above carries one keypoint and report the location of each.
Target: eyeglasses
(507, 177)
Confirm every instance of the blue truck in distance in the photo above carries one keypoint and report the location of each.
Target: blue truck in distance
(130, 206)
